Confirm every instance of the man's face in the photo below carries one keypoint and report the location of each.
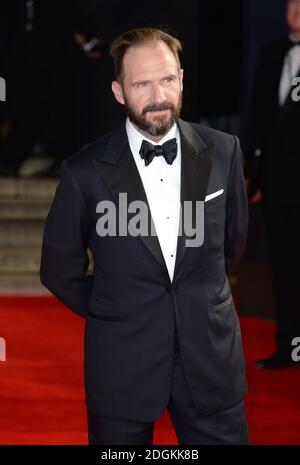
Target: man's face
(293, 15)
(151, 89)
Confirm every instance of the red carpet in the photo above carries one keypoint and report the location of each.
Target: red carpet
(41, 383)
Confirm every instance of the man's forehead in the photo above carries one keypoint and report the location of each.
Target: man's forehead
(151, 56)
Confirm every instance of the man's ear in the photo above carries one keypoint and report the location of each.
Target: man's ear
(118, 92)
(181, 79)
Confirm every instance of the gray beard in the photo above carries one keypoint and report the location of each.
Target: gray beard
(158, 129)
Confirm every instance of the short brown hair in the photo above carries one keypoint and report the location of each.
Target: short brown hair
(140, 37)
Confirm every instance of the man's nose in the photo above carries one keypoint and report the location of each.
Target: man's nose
(158, 94)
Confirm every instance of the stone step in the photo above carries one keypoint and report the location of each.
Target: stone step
(17, 233)
(22, 285)
(22, 209)
(23, 260)
(43, 188)
(20, 260)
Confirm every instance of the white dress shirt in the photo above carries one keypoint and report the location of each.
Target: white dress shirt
(161, 182)
(290, 69)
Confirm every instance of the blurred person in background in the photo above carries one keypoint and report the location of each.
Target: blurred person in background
(272, 173)
(19, 57)
(58, 69)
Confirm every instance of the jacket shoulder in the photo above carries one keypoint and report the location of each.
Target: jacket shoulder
(80, 163)
(210, 136)
(273, 51)
(274, 47)
(88, 153)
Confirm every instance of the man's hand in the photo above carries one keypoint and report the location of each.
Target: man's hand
(6, 129)
(91, 48)
(256, 197)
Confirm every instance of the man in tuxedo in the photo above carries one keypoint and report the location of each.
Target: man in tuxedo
(161, 328)
(272, 170)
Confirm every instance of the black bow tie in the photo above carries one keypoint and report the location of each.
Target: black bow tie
(168, 150)
(292, 44)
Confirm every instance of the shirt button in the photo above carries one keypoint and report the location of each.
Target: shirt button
(161, 179)
(257, 152)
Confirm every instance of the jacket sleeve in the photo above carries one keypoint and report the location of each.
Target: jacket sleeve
(236, 211)
(64, 257)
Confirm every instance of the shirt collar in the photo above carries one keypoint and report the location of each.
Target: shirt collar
(293, 38)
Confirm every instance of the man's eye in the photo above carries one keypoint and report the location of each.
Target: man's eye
(168, 80)
(142, 84)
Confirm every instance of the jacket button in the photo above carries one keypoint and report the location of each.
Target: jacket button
(169, 289)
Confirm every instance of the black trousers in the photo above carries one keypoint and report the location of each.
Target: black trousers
(225, 427)
(282, 224)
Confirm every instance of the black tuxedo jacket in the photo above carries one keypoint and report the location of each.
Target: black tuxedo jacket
(129, 303)
(273, 132)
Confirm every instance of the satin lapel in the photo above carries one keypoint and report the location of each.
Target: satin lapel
(118, 170)
(196, 167)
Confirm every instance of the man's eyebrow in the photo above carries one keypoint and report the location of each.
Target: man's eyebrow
(169, 76)
(142, 81)
(147, 81)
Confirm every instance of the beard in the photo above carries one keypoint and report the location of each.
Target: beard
(160, 124)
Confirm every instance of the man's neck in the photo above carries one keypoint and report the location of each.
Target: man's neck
(294, 36)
